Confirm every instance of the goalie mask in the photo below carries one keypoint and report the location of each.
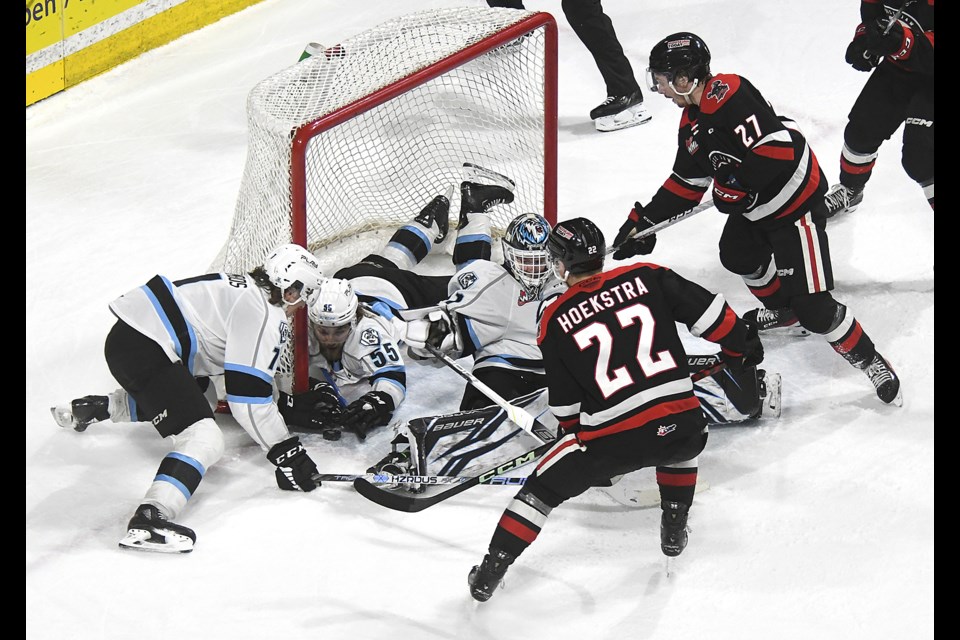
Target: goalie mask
(295, 271)
(525, 251)
(333, 311)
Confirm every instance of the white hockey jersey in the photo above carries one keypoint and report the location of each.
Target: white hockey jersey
(218, 324)
(371, 353)
(497, 320)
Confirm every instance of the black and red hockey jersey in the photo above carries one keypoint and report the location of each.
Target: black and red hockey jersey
(612, 355)
(736, 132)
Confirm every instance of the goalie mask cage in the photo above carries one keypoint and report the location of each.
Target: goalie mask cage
(360, 137)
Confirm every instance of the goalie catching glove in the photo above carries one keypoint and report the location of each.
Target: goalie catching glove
(372, 409)
(295, 469)
(626, 243)
(436, 328)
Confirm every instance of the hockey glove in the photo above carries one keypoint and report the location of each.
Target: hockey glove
(626, 243)
(295, 469)
(438, 329)
(858, 56)
(373, 409)
(729, 195)
(752, 351)
(895, 43)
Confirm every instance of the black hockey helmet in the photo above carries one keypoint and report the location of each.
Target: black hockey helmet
(579, 245)
(684, 53)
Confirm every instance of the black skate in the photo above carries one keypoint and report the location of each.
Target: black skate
(620, 112)
(485, 578)
(437, 210)
(82, 412)
(477, 196)
(673, 528)
(885, 380)
(149, 530)
(841, 199)
(783, 321)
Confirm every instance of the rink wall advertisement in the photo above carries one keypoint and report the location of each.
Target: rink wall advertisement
(69, 41)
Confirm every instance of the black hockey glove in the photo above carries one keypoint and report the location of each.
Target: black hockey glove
(295, 469)
(318, 409)
(897, 42)
(858, 56)
(752, 350)
(626, 243)
(729, 195)
(372, 409)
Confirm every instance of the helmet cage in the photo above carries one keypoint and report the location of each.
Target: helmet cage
(524, 251)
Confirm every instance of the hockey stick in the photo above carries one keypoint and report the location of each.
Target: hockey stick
(519, 416)
(412, 502)
(660, 226)
(404, 478)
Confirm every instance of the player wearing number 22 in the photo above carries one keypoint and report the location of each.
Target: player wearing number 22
(619, 385)
(767, 180)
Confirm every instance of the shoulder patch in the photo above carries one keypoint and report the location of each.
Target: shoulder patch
(370, 337)
(719, 89)
(467, 280)
(284, 332)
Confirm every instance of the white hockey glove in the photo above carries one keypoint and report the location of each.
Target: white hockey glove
(438, 329)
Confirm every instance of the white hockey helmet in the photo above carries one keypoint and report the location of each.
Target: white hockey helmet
(525, 255)
(333, 304)
(292, 266)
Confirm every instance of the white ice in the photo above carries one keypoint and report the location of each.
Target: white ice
(816, 525)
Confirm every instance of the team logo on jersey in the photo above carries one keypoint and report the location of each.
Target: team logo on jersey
(666, 429)
(284, 332)
(692, 145)
(467, 279)
(719, 159)
(718, 89)
(370, 338)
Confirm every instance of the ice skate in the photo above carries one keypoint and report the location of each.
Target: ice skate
(82, 412)
(884, 380)
(437, 210)
(481, 190)
(781, 321)
(485, 578)
(841, 199)
(149, 530)
(673, 528)
(620, 112)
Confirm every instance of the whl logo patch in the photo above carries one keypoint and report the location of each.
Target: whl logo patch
(666, 429)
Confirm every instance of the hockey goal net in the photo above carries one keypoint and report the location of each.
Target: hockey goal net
(360, 137)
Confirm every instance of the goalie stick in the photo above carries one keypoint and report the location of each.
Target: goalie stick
(660, 226)
(412, 502)
(519, 416)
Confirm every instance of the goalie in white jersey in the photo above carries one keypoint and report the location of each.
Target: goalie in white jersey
(170, 336)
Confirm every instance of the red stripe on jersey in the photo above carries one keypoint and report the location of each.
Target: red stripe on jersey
(677, 479)
(522, 531)
(851, 340)
(570, 423)
(722, 331)
(856, 169)
(641, 419)
(681, 191)
(554, 452)
(813, 181)
(776, 153)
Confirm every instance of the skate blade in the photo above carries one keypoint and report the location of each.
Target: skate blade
(476, 173)
(64, 417)
(793, 331)
(898, 401)
(142, 540)
(630, 117)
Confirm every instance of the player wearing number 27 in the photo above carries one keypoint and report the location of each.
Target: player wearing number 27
(767, 180)
(620, 387)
